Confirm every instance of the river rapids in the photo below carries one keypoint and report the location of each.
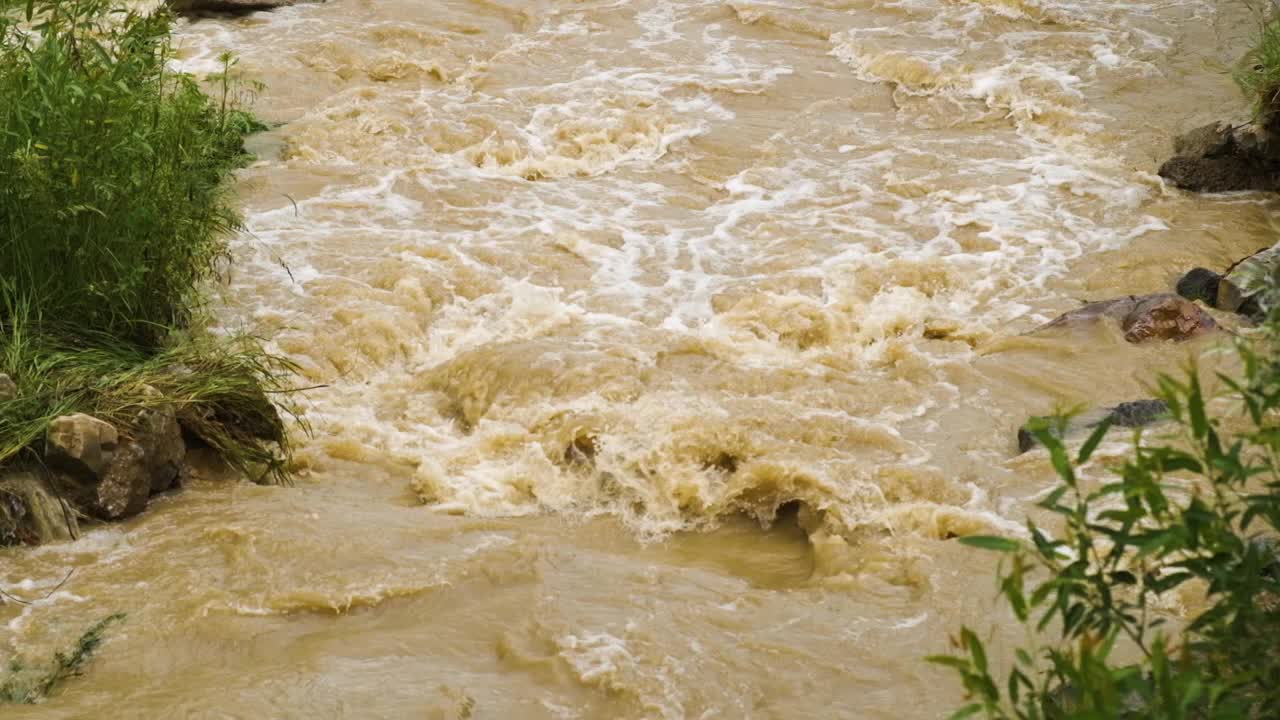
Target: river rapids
(661, 349)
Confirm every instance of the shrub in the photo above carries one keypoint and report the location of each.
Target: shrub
(1202, 507)
(114, 205)
(1258, 73)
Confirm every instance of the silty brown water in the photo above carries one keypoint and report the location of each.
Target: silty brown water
(664, 347)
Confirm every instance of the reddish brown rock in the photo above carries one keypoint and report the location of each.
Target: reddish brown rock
(1166, 317)
(1143, 318)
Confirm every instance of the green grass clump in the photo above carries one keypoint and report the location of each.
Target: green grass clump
(26, 685)
(114, 205)
(221, 389)
(1258, 73)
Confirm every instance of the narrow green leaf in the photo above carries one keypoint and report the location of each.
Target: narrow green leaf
(991, 542)
(1091, 444)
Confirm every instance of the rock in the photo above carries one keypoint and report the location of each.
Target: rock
(1212, 140)
(120, 491)
(8, 388)
(110, 477)
(80, 444)
(1162, 316)
(1243, 281)
(233, 7)
(1242, 289)
(160, 437)
(1166, 317)
(1136, 413)
(1222, 158)
(30, 513)
(1217, 175)
(124, 488)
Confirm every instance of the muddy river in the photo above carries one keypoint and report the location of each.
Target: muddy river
(663, 348)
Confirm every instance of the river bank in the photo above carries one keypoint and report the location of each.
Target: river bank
(114, 213)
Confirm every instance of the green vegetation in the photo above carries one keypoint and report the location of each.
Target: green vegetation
(1258, 74)
(1197, 512)
(1192, 517)
(28, 685)
(113, 168)
(115, 208)
(220, 388)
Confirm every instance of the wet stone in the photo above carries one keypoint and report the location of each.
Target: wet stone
(1220, 157)
(1143, 318)
(229, 7)
(80, 444)
(160, 437)
(124, 488)
(1135, 413)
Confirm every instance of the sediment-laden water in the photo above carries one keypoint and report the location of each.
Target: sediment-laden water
(663, 348)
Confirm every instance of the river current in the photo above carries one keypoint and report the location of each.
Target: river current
(661, 349)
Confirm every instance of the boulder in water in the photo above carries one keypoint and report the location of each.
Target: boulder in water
(226, 7)
(1241, 289)
(1162, 316)
(122, 490)
(1220, 157)
(1165, 317)
(1135, 413)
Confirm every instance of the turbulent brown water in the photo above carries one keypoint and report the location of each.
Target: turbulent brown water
(665, 346)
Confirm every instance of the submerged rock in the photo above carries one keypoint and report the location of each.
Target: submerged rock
(1162, 316)
(1220, 157)
(235, 7)
(31, 514)
(1135, 413)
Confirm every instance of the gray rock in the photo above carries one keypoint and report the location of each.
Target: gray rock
(8, 388)
(1219, 175)
(81, 445)
(123, 489)
(1136, 413)
(109, 477)
(160, 437)
(1212, 140)
(1247, 279)
(30, 512)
